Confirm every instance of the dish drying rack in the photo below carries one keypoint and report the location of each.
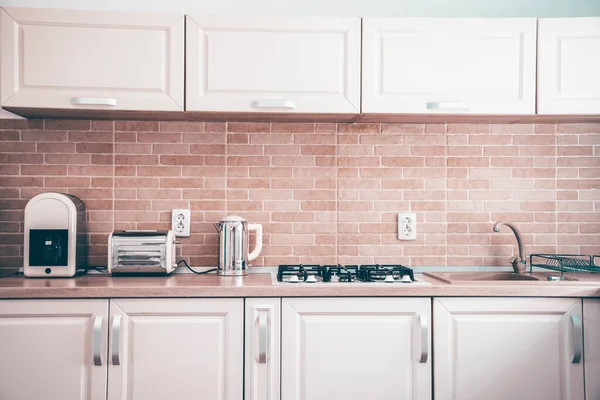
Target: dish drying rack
(565, 263)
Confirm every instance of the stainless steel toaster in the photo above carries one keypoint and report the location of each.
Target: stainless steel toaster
(141, 252)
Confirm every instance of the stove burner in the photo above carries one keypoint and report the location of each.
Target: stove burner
(295, 273)
(341, 273)
(299, 272)
(377, 272)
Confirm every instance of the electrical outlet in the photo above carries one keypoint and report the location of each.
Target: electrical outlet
(407, 226)
(180, 222)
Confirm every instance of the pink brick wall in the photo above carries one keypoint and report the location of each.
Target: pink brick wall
(325, 193)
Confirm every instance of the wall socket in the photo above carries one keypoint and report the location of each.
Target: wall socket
(180, 222)
(407, 226)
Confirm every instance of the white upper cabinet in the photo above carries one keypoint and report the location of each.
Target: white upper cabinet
(356, 348)
(438, 65)
(176, 349)
(569, 66)
(268, 64)
(65, 59)
(508, 349)
(53, 349)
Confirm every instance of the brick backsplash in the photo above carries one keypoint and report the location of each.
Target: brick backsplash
(325, 193)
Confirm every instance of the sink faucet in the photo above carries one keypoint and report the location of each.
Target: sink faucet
(519, 264)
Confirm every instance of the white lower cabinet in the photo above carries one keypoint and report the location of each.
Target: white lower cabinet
(591, 328)
(355, 348)
(53, 349)
(176, 349)
(263, 349)
(508, 349)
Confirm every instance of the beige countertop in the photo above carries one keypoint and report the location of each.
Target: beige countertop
(260, 285)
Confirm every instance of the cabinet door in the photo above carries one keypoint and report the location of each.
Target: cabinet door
(568, 65)
(272, 64)
(449, 65)
(176, 349)
(53, 349)
(507, 349)
(355, 348)
(591, 325)
(263, 327)
(69, 59)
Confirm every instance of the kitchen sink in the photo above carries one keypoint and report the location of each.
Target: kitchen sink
(477, 277)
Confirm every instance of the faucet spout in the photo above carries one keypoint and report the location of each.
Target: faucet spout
(519, 264)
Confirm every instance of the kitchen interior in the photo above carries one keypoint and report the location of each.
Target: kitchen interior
(335, 200)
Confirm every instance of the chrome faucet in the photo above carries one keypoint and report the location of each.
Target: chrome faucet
(519, 264)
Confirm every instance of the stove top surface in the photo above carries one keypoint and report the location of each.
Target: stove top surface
(307, 274)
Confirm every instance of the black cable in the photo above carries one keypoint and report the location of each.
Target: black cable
(196, 272)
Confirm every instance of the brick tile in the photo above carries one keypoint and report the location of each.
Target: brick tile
(67, 125)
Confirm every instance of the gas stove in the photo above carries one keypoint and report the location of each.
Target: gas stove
(306, 274)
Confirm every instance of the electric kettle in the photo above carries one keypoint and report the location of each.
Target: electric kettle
(234, 240)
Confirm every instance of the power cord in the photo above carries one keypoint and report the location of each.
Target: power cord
(195, 272)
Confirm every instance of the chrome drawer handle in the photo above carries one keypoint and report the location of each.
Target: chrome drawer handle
(447, 105)
(424, 333)
(577, 338)
(287, 104)
(93, 101)
(262, 323)
(97, 341)
(116, 340)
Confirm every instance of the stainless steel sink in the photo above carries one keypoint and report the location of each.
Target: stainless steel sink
(465, 277)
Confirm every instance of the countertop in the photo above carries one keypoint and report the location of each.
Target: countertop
(260, 285)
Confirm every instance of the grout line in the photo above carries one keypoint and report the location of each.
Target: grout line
(337, 194)
(114, 174)
(446, 205)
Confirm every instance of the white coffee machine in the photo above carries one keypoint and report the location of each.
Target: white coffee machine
(55, 236)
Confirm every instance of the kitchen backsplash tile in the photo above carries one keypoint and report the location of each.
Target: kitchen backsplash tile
(325, 193)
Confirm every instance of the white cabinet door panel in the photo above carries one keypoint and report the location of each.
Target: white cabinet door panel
(68, 59)
(356, 348)
(176, 348)
(507, 349)
(449, 65)
(47, 349)
(272, 64)
(591, 325)
(568, 65)
(263, 349)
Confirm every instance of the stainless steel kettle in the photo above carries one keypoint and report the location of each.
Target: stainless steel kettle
(234, 240)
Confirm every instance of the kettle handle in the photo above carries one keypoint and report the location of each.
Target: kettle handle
(258, 245)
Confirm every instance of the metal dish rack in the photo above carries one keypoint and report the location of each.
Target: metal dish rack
(565, 262)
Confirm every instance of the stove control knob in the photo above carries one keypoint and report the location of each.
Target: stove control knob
(406, 279)
(389, 279)
(334, 278)
(293, 279)
(311, 279)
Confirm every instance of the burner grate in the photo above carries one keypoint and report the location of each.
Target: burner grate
(307, 273)
(378, 272)
(342, 273)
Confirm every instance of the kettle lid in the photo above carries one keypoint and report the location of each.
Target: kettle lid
(233, 218)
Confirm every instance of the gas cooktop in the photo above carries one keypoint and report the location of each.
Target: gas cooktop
(348, 274)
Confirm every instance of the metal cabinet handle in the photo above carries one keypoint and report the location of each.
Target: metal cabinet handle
(116, 340)
(93, 101)
(288, 104)
(97, 341)
(262, 322)
(447, 105)
(577, 338)
(424, 333)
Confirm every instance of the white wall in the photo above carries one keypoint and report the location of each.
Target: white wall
(416, 8)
